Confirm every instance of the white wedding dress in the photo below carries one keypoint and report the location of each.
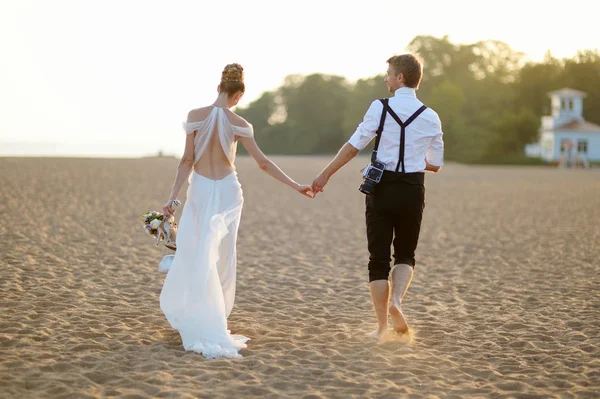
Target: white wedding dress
(199, 289)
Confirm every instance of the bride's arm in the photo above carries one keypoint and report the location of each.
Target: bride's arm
(183, 172)
(270, 167)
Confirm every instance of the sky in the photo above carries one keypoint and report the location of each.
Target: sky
(117, 78)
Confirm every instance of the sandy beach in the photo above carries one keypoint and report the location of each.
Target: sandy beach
(505, 302)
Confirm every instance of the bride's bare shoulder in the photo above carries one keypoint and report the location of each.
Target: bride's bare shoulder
(199, 114)
(237, 120)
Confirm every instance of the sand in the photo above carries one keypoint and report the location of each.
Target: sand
(505, 301)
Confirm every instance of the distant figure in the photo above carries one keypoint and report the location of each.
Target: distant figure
(408, 142)
(584, 161)
(199, 290)
(581, 161)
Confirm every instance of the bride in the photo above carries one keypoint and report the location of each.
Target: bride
(199, 290)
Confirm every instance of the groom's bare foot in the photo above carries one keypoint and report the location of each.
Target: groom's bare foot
(401, 275)
(398, 320)
(377, 334)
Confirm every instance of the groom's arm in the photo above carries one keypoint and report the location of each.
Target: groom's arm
(435, 153)
(344, 155)
(365, 132)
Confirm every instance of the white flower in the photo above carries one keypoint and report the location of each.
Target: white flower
(155, 223)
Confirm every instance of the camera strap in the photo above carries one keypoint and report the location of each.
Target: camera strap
(384, 101)
(403, 125)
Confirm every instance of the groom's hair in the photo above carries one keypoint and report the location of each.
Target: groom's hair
(410, 66)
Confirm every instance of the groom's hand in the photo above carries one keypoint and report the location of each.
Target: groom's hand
(305, 190)
(319, 183)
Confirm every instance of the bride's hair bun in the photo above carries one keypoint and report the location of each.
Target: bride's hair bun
(233, 73)
(232, 79)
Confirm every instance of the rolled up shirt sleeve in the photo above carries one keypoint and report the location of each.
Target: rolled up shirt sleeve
(435, 153)
(367, 129)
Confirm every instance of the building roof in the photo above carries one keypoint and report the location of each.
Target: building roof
(579, 127)
(567, 92)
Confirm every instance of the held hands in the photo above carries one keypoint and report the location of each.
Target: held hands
(319, 183)
(317, 186)
(307, 191)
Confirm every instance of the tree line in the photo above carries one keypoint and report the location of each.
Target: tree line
(490, 101)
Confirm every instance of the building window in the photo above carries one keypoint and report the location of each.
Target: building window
(582, 146)
(563, 104)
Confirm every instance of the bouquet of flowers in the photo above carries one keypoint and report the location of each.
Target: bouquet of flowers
(152, 221)
(161, 228)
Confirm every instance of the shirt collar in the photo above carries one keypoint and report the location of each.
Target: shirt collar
(405, 91)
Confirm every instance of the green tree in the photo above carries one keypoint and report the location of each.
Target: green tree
(533, 83)
(512, 130)
(489, 101)
(448, 100)
(315, 108)
(362, 94)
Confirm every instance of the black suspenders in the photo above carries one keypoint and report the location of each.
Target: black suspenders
(384, 101)
(403, 125)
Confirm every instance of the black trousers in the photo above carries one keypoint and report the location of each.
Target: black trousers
(394, 213)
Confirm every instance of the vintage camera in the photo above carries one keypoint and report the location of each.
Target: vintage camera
(372, 175)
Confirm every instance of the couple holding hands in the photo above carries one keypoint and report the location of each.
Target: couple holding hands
(199, 289)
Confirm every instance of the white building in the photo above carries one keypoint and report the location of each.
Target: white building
(566, 137)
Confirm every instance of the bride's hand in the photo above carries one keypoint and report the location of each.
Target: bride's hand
(305, 190)
(168, 210)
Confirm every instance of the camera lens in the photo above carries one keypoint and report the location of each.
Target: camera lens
(367, 187)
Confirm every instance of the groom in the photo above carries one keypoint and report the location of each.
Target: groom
(409, 143)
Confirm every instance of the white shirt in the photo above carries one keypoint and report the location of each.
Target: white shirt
(226, 130)
(423, 138)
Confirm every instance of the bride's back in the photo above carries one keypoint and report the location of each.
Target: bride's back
(213, 162)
